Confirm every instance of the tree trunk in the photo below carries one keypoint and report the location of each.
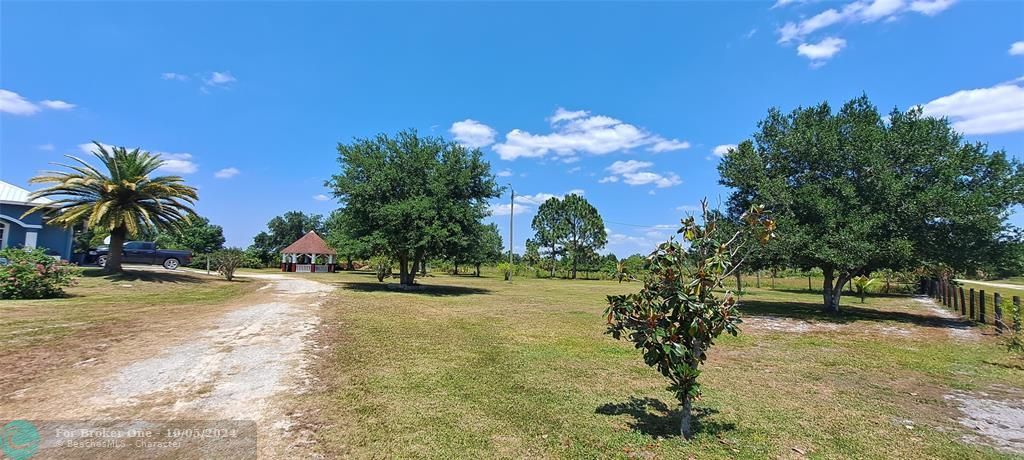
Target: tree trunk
(686, 419)
(348, 259)
(403, 269)
(423, 267)
(116, 247)
(477, 270)
(833, 292)
(758, 279)
(739, 281)
(456, 266)
(574, 268)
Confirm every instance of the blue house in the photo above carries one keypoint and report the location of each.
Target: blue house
(30, 231)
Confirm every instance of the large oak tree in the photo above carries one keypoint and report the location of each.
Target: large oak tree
(854, 192)
(408, 196)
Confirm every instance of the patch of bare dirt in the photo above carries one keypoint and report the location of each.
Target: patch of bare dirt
(995, 419)
(961, 331)
(236, 365)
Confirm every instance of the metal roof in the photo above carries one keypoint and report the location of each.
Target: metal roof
(12, 194)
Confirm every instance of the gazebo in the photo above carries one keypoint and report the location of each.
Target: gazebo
(309, 254)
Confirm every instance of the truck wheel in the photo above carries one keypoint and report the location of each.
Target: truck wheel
(101, 261)
(171, 264)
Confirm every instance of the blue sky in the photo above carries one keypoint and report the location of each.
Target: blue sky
(625, 102)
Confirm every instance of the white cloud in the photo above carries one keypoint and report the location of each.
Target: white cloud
(13, 103)
(504, 173)
(177, 163)
(575, 169)
(226, 173)
(930, 7)
(220, 79)
(864, 11)
(632, 173)
(174, 163)
(782, 3)
(688, 208)
(506, 209)
(996, 109)
(564, 115)
(527, 203)
(579, 132)
(722, 150)
(173, 76)
(1017, 48)
(647, 177)
(56, 105)
(472, 133)
(668, 145)
(822, 51)
(321, 197)
(623, 167)
(46, 147)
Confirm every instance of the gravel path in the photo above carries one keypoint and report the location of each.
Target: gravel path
(995, 285)
(244, 364)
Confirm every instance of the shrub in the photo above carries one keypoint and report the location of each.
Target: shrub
(382, 265)
(227, 261)
(505, 269)
(31, 274)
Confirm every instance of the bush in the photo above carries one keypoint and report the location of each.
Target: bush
(227, 261)
(383, 266)
(505, 269)
(31, 274)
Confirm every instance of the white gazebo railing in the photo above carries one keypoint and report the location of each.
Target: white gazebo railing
(304, 268)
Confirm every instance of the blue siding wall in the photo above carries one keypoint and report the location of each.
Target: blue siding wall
(54, 238)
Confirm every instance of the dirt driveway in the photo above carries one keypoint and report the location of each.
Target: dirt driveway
(235, 367)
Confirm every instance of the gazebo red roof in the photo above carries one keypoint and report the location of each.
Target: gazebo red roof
(310, 243)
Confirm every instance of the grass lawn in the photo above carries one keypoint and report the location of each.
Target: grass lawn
(476, 367)
(41, 335)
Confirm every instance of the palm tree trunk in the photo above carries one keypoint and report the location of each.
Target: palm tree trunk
(116, 247)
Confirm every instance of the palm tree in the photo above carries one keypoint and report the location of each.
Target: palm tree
(124, 200)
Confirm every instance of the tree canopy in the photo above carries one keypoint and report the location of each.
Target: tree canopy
(408, 196)
(570, 227)
(853, 192)
(198, 236)
(282, 231)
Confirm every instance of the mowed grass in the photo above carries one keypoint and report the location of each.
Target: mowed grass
(99, 300)
(480, 368)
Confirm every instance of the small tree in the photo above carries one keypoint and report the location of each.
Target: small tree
(382, 265)
(861, 283)
(677, 315)
(227, 261)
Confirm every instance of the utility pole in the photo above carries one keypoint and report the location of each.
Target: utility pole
(511, 214)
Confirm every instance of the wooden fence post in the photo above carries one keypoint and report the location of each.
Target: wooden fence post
(1000, 327)
(997, 302)
(972, 303)
(952, 292)
(963, 305)
(945, 293)
(1016, 317)
(981, 305)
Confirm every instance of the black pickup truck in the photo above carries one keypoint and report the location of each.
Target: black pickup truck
(145, 252)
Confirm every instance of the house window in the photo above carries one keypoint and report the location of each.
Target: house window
(3, 235)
